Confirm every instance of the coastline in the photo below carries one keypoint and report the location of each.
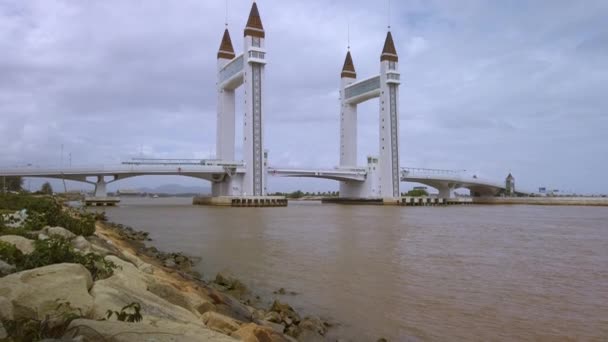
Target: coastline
(106, 284)
(228, 295)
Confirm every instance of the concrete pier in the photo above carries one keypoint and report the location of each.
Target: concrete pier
(242, 201)
(101, 201)
(584, 201)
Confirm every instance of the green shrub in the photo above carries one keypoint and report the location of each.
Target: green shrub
(57, 250)
(10, 254)
(52, 327)
(129, 313)
(46, 211)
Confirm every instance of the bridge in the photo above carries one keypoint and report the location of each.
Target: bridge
(445, 181)
(379, 178)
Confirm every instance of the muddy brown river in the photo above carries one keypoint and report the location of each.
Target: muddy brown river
(416, 273)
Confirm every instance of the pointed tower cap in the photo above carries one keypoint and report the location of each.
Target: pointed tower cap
(226, 50)
(254, 26)
(389, 53)
(510, 176)
(348, 70)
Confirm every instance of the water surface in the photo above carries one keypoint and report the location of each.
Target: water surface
(417, 273)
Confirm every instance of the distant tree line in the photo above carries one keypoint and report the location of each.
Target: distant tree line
(300, 194)
(15, 184)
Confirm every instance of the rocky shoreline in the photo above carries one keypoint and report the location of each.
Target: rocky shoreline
(242, 305)
(115, 288)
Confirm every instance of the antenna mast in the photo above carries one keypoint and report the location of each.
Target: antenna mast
(389, 14)
(348, 32)
(226, 21)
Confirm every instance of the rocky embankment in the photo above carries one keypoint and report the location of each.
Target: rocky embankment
(114, 288)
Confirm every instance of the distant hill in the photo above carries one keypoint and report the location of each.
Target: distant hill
(174, 189)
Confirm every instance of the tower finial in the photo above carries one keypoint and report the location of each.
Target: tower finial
(389, 53)
(348, 70)
(226, 50)
(254, 25)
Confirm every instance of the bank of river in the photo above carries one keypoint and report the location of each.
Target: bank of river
(470, 273)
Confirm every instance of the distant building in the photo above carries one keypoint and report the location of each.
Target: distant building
(127, 192)
(510, 185)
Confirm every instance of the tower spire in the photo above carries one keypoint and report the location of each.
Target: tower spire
(348, 70)
(254, 26)
(226, 50)
(389, 53)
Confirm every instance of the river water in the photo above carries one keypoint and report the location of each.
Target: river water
(405, 273)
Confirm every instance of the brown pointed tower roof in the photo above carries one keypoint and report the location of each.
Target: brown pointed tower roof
(226, 50)
(348, 70)
(254, 26)
(389, 53)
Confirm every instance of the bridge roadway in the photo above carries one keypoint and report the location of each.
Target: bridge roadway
(445, 181)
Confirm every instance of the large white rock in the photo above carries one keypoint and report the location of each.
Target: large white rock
(128, 285)
(16, 219)
(42, 291)
(159, 331)
(6, 268)
(58, 232)
(81, 244)
(252, 332)
(220, 323)
(26, 246)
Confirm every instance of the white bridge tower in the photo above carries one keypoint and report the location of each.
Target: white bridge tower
(383, 175)
(245, 70)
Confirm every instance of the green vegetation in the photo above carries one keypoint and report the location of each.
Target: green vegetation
(56, 251)
(46, 189)
(129, 313)
(300, 194)
(46, 211)
(10, 254)
(11, 184)
(417, 193)
(51, 327)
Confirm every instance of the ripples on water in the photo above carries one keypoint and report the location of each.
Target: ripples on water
(450, 273)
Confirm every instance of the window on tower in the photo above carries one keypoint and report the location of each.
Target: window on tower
(392, 65)
(255, 41)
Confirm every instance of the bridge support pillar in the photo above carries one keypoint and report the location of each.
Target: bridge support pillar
(100, 187)
(446, 190)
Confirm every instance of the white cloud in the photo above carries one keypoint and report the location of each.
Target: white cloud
(488, 86)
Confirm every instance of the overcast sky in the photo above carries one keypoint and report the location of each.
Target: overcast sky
(487, 86)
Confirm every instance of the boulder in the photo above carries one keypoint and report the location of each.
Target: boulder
(102, 246)
(58, 232)
(35, 293)
(252, 332)
(81, 244)
(3, 333)
(16, 219)
(313, 324)
(140, 264)
(220, 323)
(26, 246)
(288, 314)
(159, 331)
(42, 236)
(128, 285)
(6, 268)
(309, 336)
(231, 283)
(272, 316)
(280, 328)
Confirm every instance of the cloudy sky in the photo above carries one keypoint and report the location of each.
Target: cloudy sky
(488, 86)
